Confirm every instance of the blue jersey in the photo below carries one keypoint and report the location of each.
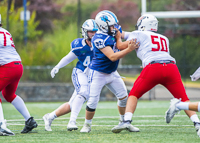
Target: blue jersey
(100, 62)
(84, 53)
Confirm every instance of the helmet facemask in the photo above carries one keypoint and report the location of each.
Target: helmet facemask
(112, 32)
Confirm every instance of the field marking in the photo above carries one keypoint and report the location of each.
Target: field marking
(102, 117)
(110, 117)
(110, 125)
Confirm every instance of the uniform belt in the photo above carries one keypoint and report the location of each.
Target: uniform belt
(163, 62)
(17, 63)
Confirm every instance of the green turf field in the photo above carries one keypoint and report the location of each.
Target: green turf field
(149, 117)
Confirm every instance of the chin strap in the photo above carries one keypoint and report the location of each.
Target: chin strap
(109, 31)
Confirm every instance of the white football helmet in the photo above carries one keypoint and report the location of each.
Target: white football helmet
(88, 25)
(104, 20)
(147, 22)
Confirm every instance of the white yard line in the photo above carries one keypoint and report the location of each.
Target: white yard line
(103, 117)
(110, 125)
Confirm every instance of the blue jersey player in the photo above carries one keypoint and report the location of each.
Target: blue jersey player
(81, 48)
(103, 67)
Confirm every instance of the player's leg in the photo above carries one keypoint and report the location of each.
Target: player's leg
(1, 112)
(96, 82)
(4, 131)
(118, 88)
(4, 82)
(148, 78)
(146, 81)
(174, 84)
(65, 108)
(81, 85)
(194, 106)
(9, 94)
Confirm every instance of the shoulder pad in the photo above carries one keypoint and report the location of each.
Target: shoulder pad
(76, 43)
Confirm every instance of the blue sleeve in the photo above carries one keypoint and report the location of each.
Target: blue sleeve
(118, 27)
(76, 45)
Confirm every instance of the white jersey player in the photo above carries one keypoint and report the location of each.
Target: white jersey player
(11, 70)
(158, 68)
(154, 46)
(81, 48)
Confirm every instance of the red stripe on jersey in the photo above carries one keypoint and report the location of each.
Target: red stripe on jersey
(4, 35)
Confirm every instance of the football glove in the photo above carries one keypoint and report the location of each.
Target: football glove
(54, 71)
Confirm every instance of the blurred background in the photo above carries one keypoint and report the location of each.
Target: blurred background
(45, 38)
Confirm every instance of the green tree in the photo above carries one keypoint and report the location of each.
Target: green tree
(16, 27)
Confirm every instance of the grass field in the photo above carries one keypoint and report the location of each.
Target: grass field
(149, 117)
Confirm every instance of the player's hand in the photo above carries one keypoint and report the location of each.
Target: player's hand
(54, 71)
(133, 44)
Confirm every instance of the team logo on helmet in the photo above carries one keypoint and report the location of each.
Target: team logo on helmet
(105, 18)
(85, 24)
(140, 20)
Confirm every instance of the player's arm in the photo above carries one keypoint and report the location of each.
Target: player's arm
(196, 75)
(119, 36)
(63, 62)
(132, 45)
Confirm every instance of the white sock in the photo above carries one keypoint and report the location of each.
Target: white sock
(88, 121)
(121, 117)
(52, 115)
(199, 107)
(194, 118)
(76, 107)
(183, 105)
(19, 104)
(128, 116)
(1, 114)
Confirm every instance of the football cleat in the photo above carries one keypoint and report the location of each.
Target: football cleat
(197, 127)
(86, 128)
(47, 122)
(5, 131)
(125, 125)
(29, 125)
(169, 114)
(72, 126)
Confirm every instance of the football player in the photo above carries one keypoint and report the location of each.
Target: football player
(103, 67)
(176, 105)
(81, 48)
(158, 67)
(11, 70)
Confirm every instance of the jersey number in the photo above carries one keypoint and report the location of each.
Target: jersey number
(4, 39)
(161, 41)
(86, 61)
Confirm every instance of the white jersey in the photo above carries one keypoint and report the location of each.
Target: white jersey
(8, 52)
(153, 46)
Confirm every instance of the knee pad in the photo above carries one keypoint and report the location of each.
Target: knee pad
(90, 109)
(122, 103)
(92, 102)
(9, 98)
